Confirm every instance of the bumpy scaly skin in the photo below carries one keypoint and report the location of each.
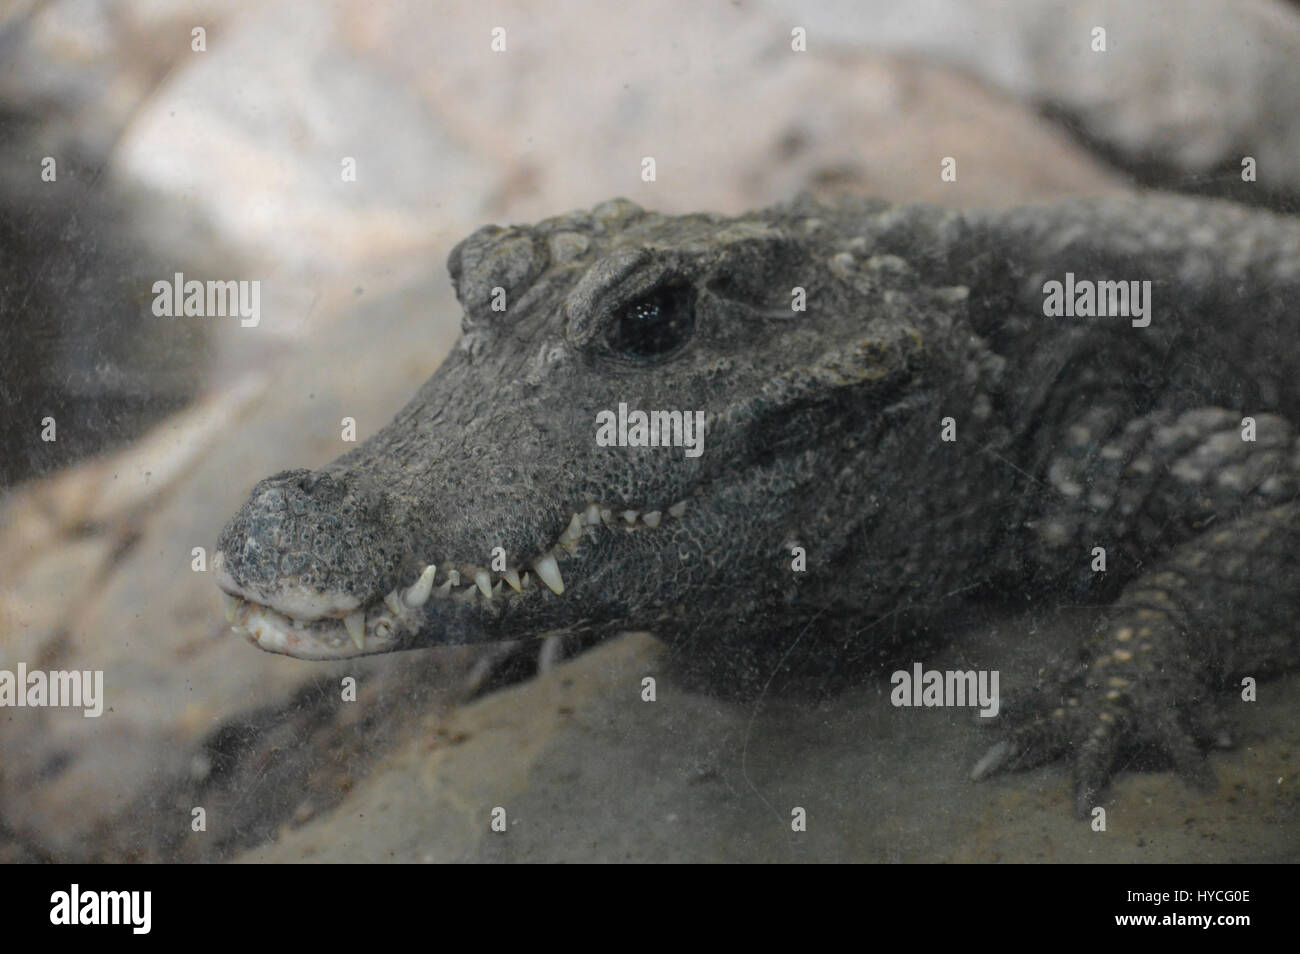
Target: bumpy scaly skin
(822, 430)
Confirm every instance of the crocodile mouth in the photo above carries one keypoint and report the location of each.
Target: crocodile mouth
(324, 626)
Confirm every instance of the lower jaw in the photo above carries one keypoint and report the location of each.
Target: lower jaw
(473, 596)
(321, 639)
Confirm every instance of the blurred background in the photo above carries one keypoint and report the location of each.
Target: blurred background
(210, 139)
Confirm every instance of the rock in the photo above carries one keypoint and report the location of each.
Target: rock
(1183, 91)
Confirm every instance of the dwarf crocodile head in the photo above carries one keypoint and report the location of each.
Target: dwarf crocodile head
(644, 417)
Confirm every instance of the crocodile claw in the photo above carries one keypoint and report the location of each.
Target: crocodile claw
(1094, 724)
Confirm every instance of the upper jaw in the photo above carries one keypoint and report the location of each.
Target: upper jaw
(299, 602)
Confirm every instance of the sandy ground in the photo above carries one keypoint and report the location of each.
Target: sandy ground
(587, 771)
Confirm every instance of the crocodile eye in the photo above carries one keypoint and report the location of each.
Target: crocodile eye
(654, 325)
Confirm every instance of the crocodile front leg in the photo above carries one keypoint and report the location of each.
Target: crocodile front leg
(1220, 605)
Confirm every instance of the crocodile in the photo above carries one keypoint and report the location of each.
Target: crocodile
(896, 424)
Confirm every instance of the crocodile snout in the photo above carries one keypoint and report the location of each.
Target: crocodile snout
(312, 544)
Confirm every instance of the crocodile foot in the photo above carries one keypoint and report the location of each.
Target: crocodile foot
(1125, 708)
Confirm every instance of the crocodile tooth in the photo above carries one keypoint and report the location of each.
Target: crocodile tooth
(591, 516)
(630, 516)
(468, 595)
(394, 602)
(445, 587)
(678, 508)
(418, 593)
(230, 605)
(525, 581)
(549, 571)
(454, 577)
(483, 582)
(355, 623)
(606, 516)
(573, 531)
(651, 519)
(496, 590)
(512, 577)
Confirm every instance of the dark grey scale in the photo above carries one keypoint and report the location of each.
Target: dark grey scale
(1072, 475)
(1126, 471)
